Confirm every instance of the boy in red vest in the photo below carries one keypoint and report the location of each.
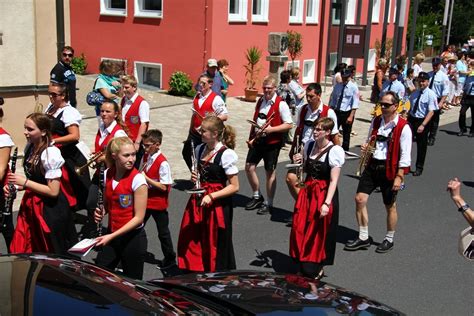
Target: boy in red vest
(157, 172)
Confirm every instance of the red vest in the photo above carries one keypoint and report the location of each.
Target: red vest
(393, 153)
(299, 129)
(273, 138)
(132, 118)
(119, 201)
(101, 147)
(203, 110)
(157, 199)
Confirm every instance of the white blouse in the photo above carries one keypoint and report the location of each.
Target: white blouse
(71, 115)
(52, 161)
(336, 154)
(229, 158)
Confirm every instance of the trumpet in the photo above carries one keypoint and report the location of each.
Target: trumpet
(366, 155)
(261, 129)
(92, 162)
(194, 168)
(298, 166)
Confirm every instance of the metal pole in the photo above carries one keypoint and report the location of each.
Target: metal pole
(367, 42)
(384, 29)
(321, 37)
(395, 33)
(342, 23)
(450, 20)
(401, 25)
(359, 13)
(60, 27)
(412, 32)
(445, 22)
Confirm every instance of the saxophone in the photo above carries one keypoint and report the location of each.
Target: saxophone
(12, 193)
(366, 155)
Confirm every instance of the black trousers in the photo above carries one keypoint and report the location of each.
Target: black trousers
(346, 128)
(187, 149)
(162, 225)
(433, 126)
(466, 103)
(129, 250)
(421, 141)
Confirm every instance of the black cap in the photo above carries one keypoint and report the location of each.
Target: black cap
(346, 73)
(392, 71)
(423, 76)
(436, 61)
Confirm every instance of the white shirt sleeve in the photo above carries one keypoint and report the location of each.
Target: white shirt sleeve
(144, 112)
(6, 141)
(138, 181)
(52, 161)
(336, 156)
(229, 161)
(405, 147)
(71, 116)
(120, 133)
(218, 105)
(165, 173)
(285, 113)
(332, 115)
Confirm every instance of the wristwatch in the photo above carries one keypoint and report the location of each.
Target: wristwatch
(464, 208)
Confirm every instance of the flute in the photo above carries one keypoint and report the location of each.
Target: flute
(100, 198)
(11, 192)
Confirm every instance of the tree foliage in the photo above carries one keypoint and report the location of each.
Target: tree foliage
(295, 44)
(253, 55)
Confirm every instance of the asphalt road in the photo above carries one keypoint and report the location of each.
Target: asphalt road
(422, 275)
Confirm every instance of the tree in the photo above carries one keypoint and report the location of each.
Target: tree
(295, 45)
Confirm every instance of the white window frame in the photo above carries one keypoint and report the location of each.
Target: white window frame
(298, 18)
(309, 78)
(376, 11)
(256, 18)
(372, 57)
(124, 61)
(332, 60)
(350, 13)
(241, 16)
(142, 13)
(289, 64)
(106, 10)
(393, 3)
(138, 71)
(312, 17)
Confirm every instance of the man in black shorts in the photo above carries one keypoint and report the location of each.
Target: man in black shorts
(391, 137)
(273, 117)
(63, 73)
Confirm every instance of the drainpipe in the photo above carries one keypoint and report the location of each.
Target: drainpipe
(321, 37)
(60, 26)
(367, 43)
(204, 63)
(342, 24)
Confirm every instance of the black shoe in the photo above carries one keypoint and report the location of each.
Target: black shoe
(417, 173)
(254, 203)
(431, 142)
(357, 244)
(384, 247)
(166, 263)
(461, 133)
(264, 210)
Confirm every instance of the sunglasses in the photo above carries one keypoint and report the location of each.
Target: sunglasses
(67, 55)
(54, 95)
(386, 105)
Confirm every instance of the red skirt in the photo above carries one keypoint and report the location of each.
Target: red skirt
(309, 233)
(199, 232)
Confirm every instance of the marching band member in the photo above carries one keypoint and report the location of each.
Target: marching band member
(392, 139)
(308, 114)
(316, 215)
(125, 201)
(157, 172)
(44, 222)
(6, 144)
(65, 129)
(205, 238)
(272, 114)
(111, 126)
(205, 102)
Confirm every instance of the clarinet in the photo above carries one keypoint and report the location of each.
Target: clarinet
(100, 197)
(12, 192)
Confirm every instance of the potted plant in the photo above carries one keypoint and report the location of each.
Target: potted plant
(253, 56)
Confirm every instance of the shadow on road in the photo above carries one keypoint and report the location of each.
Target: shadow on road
(449, 132)
(280, 262)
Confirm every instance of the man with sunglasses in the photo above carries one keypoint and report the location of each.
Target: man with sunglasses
(391, 137)
(63, 73)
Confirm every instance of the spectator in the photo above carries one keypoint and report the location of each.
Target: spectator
(63, 73)
(379, 80)
(107, 83)
(211, 72)
(419, 59)
(226, 79)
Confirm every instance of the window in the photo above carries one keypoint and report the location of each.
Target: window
(376, 11)
(351, 12)
(237, 11)
(371, 64)
(337, 9)
(290, 64)
(260, 10)
(296, 11)
(393, 3)
(308, 71)
(312, 12)
(113, 7)
(148, 74)
(149, 8)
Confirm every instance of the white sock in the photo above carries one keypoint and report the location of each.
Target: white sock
(363, 232)
(256, 194)
(390, 235)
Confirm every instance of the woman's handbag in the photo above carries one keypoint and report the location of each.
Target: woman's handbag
(95, 98)
(466, 243)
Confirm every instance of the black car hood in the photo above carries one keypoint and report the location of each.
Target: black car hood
(268, 293)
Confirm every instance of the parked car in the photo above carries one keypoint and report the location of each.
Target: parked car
(38, 284)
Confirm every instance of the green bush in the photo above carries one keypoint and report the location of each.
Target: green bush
(79, 64)
(180, 84)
